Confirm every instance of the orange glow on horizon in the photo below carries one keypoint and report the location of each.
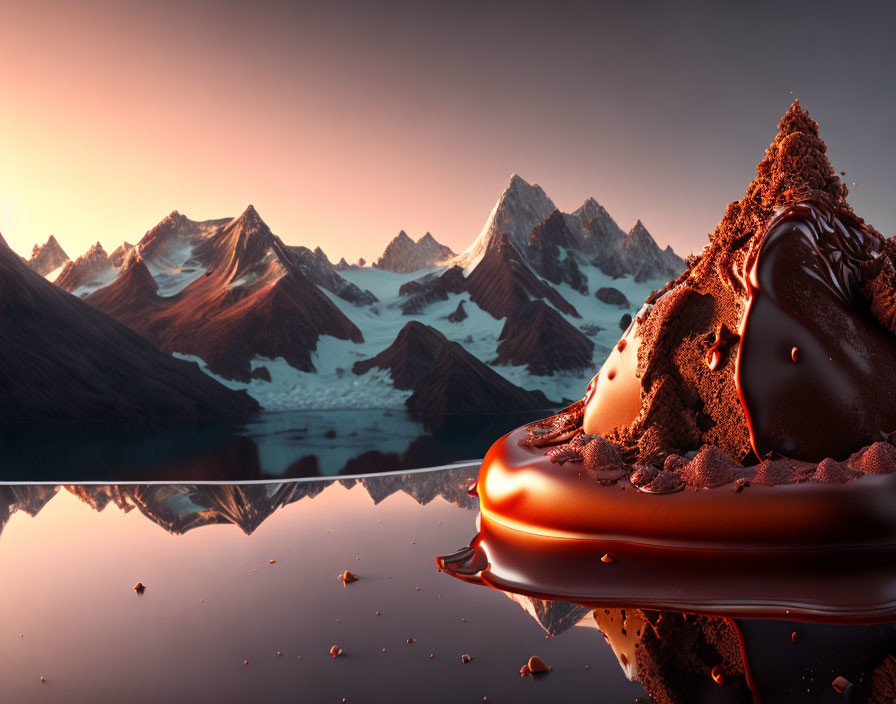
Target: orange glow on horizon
(345, 123)
(104, 132)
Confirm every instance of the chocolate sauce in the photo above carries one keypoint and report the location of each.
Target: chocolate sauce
(523, 489)
(615, 399)
(833, 586)
(814, 368)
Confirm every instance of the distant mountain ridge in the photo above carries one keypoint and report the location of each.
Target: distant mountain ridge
(539, 296)
(48, 257)
(62, 359)
(403, 255)
(85, 269)
(252, 299)
(556, 245)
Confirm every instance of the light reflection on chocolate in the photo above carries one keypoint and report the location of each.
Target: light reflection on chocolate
(836, 585)
(616, 398)
(803, 295)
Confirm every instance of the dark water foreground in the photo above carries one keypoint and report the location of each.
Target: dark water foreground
(266, 446)
(242, 603)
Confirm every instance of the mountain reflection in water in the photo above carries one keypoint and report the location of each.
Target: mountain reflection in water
(242, 601)
(266, 446)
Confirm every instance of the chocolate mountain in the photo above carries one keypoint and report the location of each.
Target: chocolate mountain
(47, 258)
(403, 255)
(445, 378)
(253, 299)
(793, 287)
(61, 359)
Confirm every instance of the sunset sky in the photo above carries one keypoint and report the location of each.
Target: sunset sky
(344, 122)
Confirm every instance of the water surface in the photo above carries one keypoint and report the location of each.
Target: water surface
(264, 446)
(213, 599)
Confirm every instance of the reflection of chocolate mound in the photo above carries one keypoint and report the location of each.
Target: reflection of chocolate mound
(682, 659)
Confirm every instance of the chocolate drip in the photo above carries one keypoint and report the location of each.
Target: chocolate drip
(814, 367)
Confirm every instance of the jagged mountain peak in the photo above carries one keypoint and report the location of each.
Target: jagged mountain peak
(96, 250)
(48, 257)
(249, 225)
(51, 243)
(520, 188)
(48, 380)
(403, 255)
(517, 183)
(639, 232)
(588, 211)
(518, 210)
(250, 218)
(172, 221)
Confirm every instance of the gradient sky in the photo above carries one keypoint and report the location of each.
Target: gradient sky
(343, 122)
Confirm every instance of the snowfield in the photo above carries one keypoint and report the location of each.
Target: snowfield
(334, 386)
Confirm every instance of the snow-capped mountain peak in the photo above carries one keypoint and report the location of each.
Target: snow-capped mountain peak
(403, 255)
(519, 209)
(48, 258)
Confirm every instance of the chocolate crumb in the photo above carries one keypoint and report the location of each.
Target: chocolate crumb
(841, 684)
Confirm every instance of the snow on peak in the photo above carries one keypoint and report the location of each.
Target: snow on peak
(403, 255)
(519, 209)
(47, 258)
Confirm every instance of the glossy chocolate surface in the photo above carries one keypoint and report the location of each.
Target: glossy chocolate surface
(523, 489)
(836, 585)
(814, 369)
(616, 399)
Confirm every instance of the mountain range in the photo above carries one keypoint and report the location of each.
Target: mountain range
(179, 508)
(63, 359)
(517, 321)
(403, 255)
